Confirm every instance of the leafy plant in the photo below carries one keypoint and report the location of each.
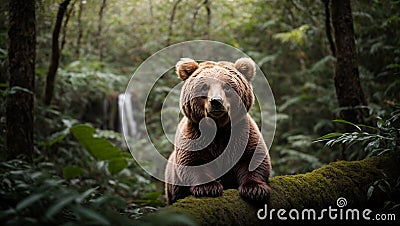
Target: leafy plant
(37, 195)
(104, 189)
(383, 138)
(296, 36)
(100, 148)
(390, 188)
(97, 146)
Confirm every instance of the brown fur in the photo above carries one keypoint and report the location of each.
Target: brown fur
(230, 82)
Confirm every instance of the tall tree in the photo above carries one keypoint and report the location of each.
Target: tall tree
(171, 21)
(206, 4)
(80, 32)
(347, 81)
(55, 53)
(65, 26)
(100, 38)
(328, 26)
(21, 58)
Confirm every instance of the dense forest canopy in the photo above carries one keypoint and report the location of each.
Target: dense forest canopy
(85, 53)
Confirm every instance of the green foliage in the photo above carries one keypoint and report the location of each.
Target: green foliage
(383, 138)
(36, 195)
(80, 90)
(296, 36)
(100, 148)
(72, 172)
(390, 188)
(167, 218)
(90, 185)
(83, 175)
(287, 39)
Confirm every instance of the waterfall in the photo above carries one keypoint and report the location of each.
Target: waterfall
(127, 122)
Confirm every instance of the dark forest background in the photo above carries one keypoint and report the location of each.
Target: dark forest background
(333, 66)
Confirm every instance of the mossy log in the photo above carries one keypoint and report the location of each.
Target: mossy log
(318, 190)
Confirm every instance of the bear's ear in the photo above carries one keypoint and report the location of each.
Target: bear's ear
(247, 67)
(185, 68)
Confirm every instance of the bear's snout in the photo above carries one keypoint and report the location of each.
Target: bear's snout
(217, 106)
(216, 102)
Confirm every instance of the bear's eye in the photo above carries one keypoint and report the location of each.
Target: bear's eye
(203, 91)
(228, 89)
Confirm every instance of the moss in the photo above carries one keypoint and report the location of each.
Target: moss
(214, 211)
(317, 189)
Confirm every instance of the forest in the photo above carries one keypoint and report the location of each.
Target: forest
(65, 146)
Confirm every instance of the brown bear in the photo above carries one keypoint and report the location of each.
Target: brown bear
(217, 143)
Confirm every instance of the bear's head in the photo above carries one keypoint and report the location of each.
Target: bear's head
(219, 90)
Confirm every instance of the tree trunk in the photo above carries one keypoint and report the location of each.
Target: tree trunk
(206, 4)
(64, 27)
(80, 33)
(21, 58)
(347, 81)
(171, 21)
(55, 54)
(194, 17)
(208, 9)
(100, 31)
(328, 26)
(320, 189)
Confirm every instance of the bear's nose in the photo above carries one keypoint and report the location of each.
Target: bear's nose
(216, 102)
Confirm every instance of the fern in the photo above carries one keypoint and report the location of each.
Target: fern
(384, 138)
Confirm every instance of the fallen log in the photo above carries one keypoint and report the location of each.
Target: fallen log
(341, 185)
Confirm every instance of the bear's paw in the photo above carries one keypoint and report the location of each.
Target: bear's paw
(211, 189)
(255, 191)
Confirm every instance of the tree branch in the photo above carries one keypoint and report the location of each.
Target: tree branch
(208, 8)
(328, 27)
(99, 31)
(318, 190)
(65, 25)
(55, 54)
(171, 21)
(80, 33)
(194, 17)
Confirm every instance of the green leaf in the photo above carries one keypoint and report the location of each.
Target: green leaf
(28, 201)
(72, 172)
(289, 102)
(347, 122)
(127, 155)
(153, 195)
(91, 214)
(84, 195)
(6, 213)
(395, 207)
(370, 192)
(100, 148)
(116, 165)
(59, 206)
(329, 136)
(297, 35)
(57, 139)
(15, 89)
